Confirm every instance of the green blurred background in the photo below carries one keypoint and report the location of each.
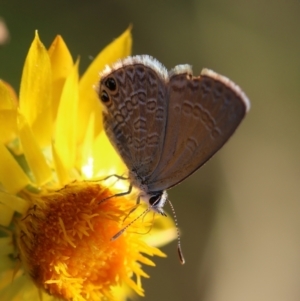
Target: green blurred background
(239, 214)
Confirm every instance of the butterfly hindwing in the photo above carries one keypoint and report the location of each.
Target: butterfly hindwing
(203, 112)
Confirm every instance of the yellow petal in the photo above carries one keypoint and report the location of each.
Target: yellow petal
(161, 238)
(134, 286)
(8, 114)
(86, 162)
(33, 153)
(6, 215)
(106, 160)
(8, 97)
(8, 125)
(5, 265)
(62, 173)
(6, 246)
(13, 202)
(88, 99)
(66, 122)
(15, 291)
(61, 63)
(35, 92)
(12, 177)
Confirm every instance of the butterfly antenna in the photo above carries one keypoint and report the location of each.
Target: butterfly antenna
(180, 253)
(124, 229)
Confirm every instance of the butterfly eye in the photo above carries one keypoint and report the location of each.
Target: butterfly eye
(104, 97)
(154, 200)
(111, 84)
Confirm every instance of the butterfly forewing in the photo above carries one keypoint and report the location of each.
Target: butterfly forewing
(135, 119)
(203, 113)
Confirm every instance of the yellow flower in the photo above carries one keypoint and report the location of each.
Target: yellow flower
(56, 227)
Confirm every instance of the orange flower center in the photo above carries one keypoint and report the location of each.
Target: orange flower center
(66, 237)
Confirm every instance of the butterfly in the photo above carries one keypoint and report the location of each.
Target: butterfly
(166, 124)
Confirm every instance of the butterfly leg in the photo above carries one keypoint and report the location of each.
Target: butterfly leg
(138, 200)
(30, 214)
(117, 194)
(116, 176)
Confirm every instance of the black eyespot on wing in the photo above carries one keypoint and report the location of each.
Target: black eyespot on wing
(111, 84)
(104, 97)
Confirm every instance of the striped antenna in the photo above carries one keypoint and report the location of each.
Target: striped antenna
(179, 250)
(123, 230)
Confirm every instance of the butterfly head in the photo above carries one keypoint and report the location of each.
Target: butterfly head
(156, 202)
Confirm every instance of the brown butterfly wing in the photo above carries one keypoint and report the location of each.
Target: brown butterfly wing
(203, 113)
(135, 115)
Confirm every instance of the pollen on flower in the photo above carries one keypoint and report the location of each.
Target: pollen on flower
(65, 243)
